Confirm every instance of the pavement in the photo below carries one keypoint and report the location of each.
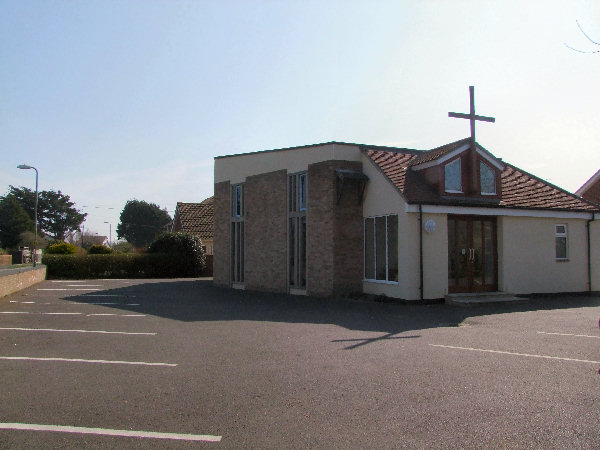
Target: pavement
(182, 364)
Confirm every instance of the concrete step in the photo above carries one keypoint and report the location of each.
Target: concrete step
(482, 298)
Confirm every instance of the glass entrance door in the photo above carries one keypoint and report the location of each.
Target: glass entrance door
(472, 254)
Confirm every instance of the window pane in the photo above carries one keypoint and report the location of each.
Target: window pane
(561, 247)
(380, 248)
(302, 192)
(392, 246)
(369, 249)
(302, 251)
(452, 176)
(292, 251)
(487, 179)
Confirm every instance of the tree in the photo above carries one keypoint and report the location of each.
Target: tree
(141, 222)
(13, 221)
(57, 215)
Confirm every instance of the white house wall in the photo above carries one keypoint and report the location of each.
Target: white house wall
(526, 259)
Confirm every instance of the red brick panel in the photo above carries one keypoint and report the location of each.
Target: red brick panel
(222, 220)
(334, 233)
(265, 218)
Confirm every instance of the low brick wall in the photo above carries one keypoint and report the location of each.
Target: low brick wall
(5, 260)
(13, 280)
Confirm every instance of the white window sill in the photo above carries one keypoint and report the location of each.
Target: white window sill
(380, 281)
(240, 286)
(294, 291)
(562, 260)
(454, 192)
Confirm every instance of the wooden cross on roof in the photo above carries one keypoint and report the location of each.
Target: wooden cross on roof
(472, 116)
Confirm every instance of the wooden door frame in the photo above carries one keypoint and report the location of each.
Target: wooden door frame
(470, 288)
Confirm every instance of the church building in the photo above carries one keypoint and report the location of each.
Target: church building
(339, 219)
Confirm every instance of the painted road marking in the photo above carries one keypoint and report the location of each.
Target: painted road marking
(70, 289)
(47, 313)
(107, 295)
(77, 331)
(91, 361)
(72, 314)
(109, 432)
(113, 314)
(568, 334)
(84, 285)
(68, 281)
(515, 354)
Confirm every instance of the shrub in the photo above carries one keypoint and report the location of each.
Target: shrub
(123, 247)
(97, 249)
(61, 249)
(123, 265)
(185, 250)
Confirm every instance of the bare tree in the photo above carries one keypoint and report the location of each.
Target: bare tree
(588, 38)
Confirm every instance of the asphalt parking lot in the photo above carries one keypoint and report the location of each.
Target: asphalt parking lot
(181, 364)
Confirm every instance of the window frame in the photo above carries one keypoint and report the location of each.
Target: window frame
(237, 236)
(453, 191)
(561, 235)
(481, 163)
(374, 250)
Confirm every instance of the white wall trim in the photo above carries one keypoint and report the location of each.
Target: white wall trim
(475, 211)
(490, 158)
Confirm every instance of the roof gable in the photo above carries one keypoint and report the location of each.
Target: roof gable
(519, 189)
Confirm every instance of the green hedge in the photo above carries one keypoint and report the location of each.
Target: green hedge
(128, 265)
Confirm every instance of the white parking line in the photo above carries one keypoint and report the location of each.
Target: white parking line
(69, 281)
(91, 361)
(514, 353)
(568, 334)
(84, 285)
(47, 313)
(72, 314)
(113, 314)
(70, 289)
(77, 331)
(107, 295)
(110, 432)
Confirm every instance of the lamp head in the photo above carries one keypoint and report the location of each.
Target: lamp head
(24, 166)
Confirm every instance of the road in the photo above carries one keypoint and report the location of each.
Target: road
(182, 364)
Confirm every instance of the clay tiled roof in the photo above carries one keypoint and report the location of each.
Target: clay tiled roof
(519, 188)
(432, 155)
(195, 218)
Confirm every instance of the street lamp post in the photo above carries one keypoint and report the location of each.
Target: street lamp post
(109, 233)
(25, 166)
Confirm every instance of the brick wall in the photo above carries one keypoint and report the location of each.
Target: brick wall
(335, 232)
(14, 280)
(265, 218)
(222, 218)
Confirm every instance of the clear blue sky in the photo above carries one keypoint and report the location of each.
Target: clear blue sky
(118, 100)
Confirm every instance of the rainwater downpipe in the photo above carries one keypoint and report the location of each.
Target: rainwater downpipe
(589, 251)
(421, 250)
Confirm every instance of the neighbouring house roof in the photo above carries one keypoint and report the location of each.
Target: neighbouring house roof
(195, 218)
(95, 240)
(520, 189)
(591, 189)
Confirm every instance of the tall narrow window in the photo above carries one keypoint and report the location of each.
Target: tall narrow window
(452, 176)
(560, 242)
(297, 203)
(237, 233)
(487, 179)
(381, 248)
